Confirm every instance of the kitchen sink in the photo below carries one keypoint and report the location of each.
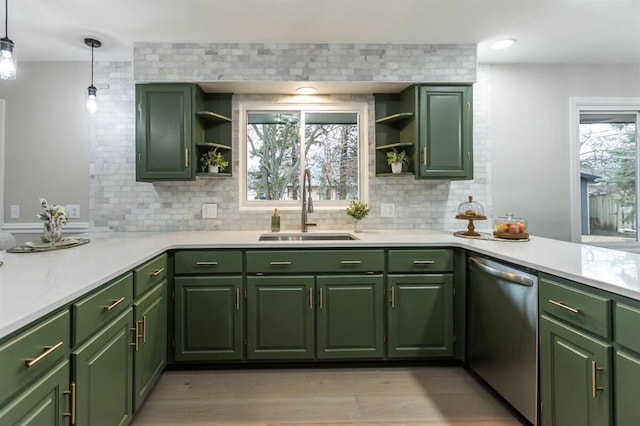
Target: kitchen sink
(304, 236)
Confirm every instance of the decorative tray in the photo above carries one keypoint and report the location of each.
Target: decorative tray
(509, 236)
(485, 236)
(37, 246)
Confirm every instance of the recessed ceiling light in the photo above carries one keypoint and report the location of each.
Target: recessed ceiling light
(502, 44)
(306, 90)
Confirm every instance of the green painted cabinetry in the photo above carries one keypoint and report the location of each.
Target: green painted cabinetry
(209, 305)
(280, 318)
(576, 380)
(208, 318)
(433, 124)
(103, 374)
(350, 317)
(627, 364)
(445, 149)
(46, 402)
(165, 129)
(150, 356)
(175, 124)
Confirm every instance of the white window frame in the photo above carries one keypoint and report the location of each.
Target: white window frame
(360, 108)
(577, 105)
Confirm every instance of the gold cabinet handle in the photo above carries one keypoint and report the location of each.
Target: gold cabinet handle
(206, 263)
(48, 350)
(136, 335)
(311, 298)
(594, 383)
(279, 263)
(115, 303)
(351, 262)
(186, 157)
(393, 297)
(423, 262)
(144, 329)
(563, 306)
(237, 299)
(321, 299)
(424, 156)
(72, 402)
(156, 273)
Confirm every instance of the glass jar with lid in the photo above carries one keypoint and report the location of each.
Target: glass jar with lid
(470, 210)
(509, 226)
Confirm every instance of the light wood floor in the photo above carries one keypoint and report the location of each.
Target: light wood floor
(337, 396)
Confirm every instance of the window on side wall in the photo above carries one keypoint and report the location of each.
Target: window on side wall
(278, 142)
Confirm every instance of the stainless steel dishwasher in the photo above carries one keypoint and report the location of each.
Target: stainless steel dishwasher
(502, 331)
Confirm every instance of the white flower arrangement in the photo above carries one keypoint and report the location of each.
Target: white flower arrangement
(53, 214)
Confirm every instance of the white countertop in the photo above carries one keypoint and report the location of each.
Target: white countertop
(34, 284)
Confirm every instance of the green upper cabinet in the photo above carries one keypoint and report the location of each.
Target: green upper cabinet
(433, 125)
(166, 126)
(350, 317)
(175, 125)
(445, 132)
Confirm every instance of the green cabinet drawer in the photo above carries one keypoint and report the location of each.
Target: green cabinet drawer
(33, 352)
(627, 332)
(422, 261)
(315, 261)
(585, 310)
(149, 274)
(200, 262)
(96, 310)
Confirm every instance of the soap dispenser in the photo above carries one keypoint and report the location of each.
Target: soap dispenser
(275, 221)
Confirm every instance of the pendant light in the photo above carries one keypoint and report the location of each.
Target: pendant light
(7, 58)
(92, 106)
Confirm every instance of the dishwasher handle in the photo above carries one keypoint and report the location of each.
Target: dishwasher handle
(507, 276)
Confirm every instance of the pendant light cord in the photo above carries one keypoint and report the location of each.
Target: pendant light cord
(91, 63)
(6, 18)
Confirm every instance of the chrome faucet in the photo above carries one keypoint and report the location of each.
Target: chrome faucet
(307, 205)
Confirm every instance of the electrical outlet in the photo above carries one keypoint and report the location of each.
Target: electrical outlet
(209, 211)
(387, 210)
(15, 212)
(73, 210)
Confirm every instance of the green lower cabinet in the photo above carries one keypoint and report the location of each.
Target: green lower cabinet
(208, 319)
(44, 403)
(420, 316)
(103, 373)
(150, 356)
(575, 378)
(350, 318)
(627, 380)
(280, 318)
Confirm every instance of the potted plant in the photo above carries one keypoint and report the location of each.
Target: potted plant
(396, 160)
(358, 210)
(213, 161)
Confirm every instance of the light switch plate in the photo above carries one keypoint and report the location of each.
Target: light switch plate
(209, 211)
(73, 210)
(15, 212)
(387, 210)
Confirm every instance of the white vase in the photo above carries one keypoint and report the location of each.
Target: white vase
(212, 169)
(396, 168)
(358, 226)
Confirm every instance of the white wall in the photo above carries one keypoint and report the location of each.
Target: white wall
(46, 138)
(530, 136)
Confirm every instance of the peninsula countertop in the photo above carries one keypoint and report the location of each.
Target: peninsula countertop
(35, 284)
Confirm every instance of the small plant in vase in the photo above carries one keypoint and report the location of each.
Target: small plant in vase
(358, 210)
(54, 217)
(396, 160)
(213, 161)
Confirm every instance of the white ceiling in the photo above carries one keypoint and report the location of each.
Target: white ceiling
(547, 31)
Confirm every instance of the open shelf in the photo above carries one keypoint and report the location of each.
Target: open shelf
(213, 175)
(394, 118)
(395, 145)
(395, 174)
(213, 117)
(213, 145)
